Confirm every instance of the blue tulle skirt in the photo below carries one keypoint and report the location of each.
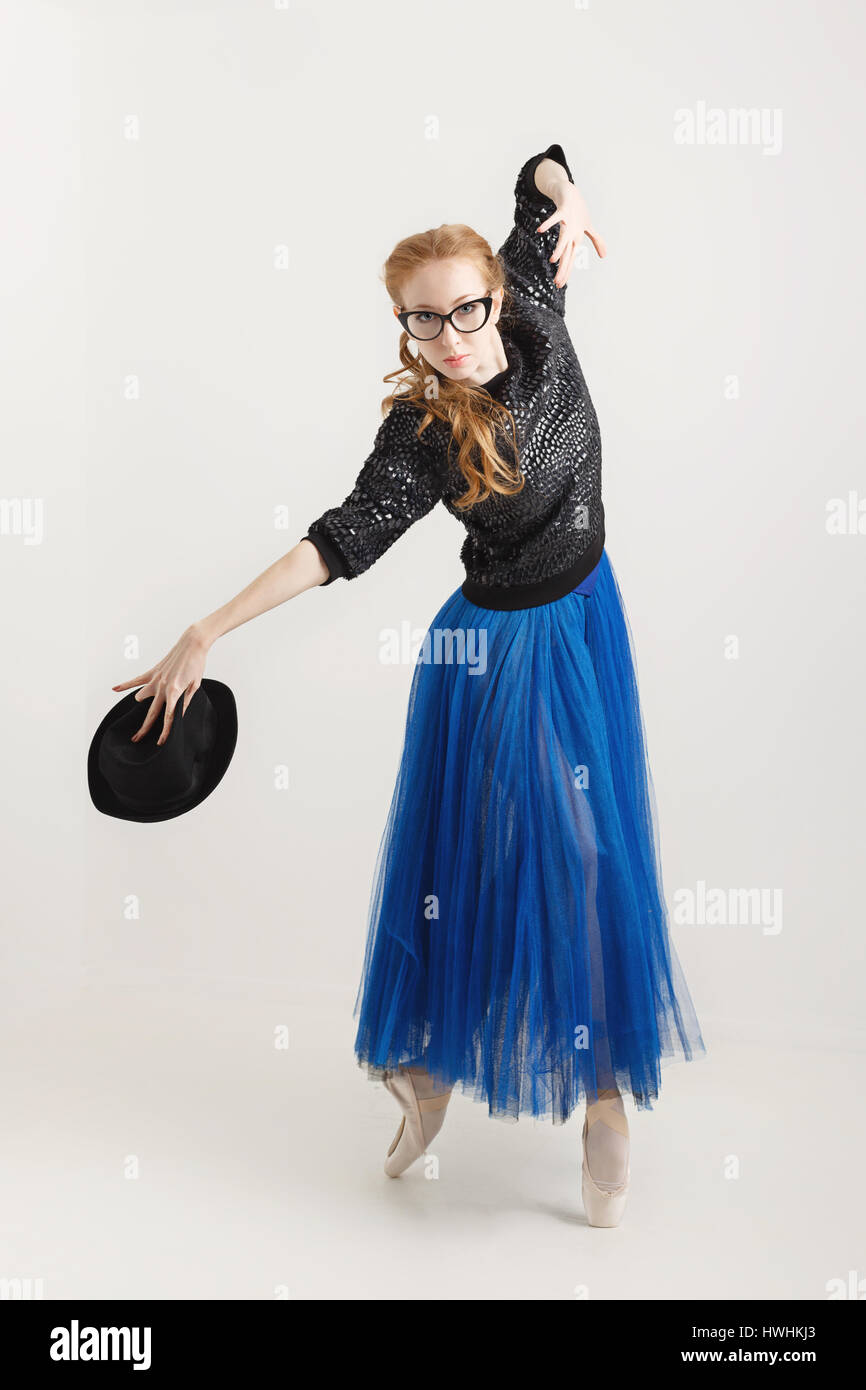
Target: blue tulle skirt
(518, 942)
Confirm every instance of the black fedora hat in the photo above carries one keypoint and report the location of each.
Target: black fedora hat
(144, 782)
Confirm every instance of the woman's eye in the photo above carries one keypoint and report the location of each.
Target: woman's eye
(467, 307)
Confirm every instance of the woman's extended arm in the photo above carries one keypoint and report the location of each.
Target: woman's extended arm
(180, 672)
(397, 485)
(302, 568)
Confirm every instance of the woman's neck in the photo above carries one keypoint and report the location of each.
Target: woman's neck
(497, 363)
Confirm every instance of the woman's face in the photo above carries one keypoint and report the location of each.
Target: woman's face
(457, 353)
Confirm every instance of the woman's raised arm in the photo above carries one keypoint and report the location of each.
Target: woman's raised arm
(550, 220)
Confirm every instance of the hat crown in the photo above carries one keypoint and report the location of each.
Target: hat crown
(146, 774)
(146, 781)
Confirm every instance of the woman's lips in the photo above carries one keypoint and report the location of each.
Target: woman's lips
(455, 361)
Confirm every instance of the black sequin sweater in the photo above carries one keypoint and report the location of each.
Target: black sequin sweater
(540, 543)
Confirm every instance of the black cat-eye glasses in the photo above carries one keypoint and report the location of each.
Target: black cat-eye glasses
(423, 324)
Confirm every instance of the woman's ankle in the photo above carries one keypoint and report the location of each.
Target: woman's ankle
(609, 1093)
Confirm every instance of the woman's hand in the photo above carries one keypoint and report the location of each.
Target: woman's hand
(572, 212)
(179, 673)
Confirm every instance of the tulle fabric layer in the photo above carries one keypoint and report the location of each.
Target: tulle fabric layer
(518, 942)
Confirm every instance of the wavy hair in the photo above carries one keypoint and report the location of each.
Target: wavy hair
(469, 411)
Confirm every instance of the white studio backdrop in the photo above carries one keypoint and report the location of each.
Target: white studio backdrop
(197, 202)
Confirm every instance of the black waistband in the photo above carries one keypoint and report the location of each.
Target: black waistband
(507, 597)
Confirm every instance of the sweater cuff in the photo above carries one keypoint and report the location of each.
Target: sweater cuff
(529, 185)
(333, 558)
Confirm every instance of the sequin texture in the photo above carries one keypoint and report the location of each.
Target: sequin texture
(557, 519)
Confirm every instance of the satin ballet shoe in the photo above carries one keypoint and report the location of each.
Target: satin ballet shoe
(423, 1117)
(604, 1206)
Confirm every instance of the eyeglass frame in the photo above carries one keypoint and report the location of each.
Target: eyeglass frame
(485, 299)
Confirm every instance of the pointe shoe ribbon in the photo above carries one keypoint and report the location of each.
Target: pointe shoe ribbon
(423, 1117)
(609, 1116)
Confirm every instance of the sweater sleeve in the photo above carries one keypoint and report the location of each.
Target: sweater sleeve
(399, 483)
(525, 254)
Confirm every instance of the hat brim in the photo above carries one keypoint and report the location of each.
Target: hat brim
(103, 797)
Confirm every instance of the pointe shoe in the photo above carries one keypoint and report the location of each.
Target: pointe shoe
(423, 1117)
(603, 1207)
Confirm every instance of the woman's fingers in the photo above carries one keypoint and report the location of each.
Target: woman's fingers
(171, 707)
(564, 233)
(561, 251)
(566, 253)
(137, 680)
(156, 704)
(170, 704)
(189, 694)
(597, 242)
(565, 265)
(566, 237)
(169, 698)
(566, 247)
(562, 274)
(551, 221)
